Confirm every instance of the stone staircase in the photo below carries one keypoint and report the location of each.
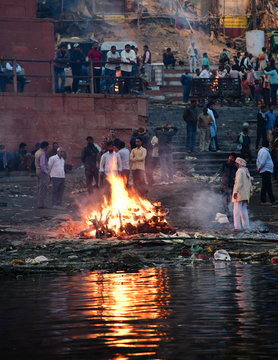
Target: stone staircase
(171, 90)
(229, 125)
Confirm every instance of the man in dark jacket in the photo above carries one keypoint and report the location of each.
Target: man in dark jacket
(89, 158)
(165, 134)
(261, 126)
(61, 60)
(186, 84)
(228, 173)
(190, 116)
(77, 58)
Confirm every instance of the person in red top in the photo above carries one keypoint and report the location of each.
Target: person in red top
(95, 56)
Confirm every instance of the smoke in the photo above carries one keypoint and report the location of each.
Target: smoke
(200, 210)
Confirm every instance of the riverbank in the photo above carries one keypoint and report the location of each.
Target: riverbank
(27, 232)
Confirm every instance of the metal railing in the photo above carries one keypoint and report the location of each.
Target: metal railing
(135, 84)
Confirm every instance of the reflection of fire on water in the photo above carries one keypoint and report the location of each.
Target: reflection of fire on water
(125, 212)
(125, 310)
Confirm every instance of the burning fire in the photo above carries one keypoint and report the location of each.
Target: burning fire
(215, 84)
(118, 74)
(125, 212)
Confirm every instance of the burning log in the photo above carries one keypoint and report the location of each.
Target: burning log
(125, 213)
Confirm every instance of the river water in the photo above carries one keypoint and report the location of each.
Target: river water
(204, 311)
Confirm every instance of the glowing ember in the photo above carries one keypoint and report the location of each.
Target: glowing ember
(125, 212)
(215, 84)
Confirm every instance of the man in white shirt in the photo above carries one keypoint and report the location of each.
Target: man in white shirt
(124, 155)
(19, 75)
(205, 73)
(56, 167)
(192, 53)
(110, 162)
(113, 59)
(128, 58)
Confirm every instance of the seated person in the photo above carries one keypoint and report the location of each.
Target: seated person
(5, 159)
(23, 159)
(20, 75)
(3, 79)
(205, 73)
(168, 58)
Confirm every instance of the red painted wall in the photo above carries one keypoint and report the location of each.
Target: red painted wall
(25, 37)
(68, 119)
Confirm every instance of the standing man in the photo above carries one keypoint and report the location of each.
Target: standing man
(273, 84)
(89, 158)
(266, 88)
(204, 122)
(137, 159)
(228, 173)
(271, 118)
(186, 84)
(109, 162)
(124, 155)
(192, 53)
(128, 58)
(113, 59)
(42, 173)
(265, 168)
(214, 139)
(190, 116)
(56, 166)
(95, 55)
(241, 195)
(165, 135)
(147, 61)
(77, 59)
(61, 60)
(261, 126)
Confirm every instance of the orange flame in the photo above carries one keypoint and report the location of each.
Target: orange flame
(124, 206)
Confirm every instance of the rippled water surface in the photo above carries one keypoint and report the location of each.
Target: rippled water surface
(221, 311)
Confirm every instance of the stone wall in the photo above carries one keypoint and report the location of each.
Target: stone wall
(68, 119)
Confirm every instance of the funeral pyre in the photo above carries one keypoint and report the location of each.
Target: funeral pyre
(125, 212)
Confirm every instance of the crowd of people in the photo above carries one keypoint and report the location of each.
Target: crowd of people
(205, 122)
(6, 76)
(128, 62)
(256, 88)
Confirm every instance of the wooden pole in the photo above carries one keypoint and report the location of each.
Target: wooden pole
(254, 15)
(224, 10)
(91, 78)
(14, 75)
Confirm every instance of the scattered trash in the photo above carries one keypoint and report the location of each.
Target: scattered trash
(185, 252)
(222, 255)
(38, 260)
(202, 257)
(191, 170)
(221, 218)
(73, 257)
(263, 229)
(184, 235)
(202, 236)
(17, 262)
(274, 260)
(191, 158)
(196, 248)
